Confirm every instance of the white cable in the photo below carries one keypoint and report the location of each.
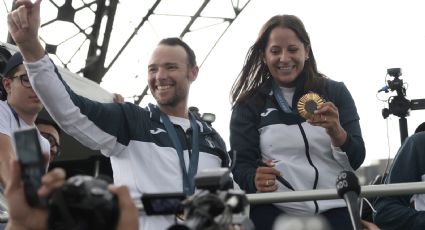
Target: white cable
(370, 205)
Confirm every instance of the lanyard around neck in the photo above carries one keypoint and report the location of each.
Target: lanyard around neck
(283, 104)
(188, 177)
(15, 115)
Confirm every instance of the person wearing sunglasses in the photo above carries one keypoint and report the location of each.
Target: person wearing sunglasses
(19, 109)
(51, 131)
(156, 149)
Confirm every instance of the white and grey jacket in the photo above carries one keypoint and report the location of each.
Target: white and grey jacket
(259, 129)
(141, 152)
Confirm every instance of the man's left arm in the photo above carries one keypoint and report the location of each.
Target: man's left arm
(394, 212)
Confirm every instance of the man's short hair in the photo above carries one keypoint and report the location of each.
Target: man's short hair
(11, 65)
(9, 70)
(175, 41)
(3, 93)
(4, 58)
(48, 122)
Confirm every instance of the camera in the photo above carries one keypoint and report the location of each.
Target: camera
(83, 202)
(397, 83)
(163, 203)
(207, 117)
(394, 72)
(215, 206)
(399, 105)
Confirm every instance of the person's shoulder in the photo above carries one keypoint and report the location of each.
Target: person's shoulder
(256, 100)
(257, 97)
(418, 137)
(333, 84)
(129, 110)
(336, 89)
(150, 111)
(129, 106)
(6, 120)
(3, 103)
(414, 144)
(4, 108)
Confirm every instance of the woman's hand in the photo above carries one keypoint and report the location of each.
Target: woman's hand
(265, 178)
(327, 116)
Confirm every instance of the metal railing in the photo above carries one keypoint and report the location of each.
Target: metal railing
(329, 194)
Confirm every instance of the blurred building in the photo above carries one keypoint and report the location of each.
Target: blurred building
(367, 174)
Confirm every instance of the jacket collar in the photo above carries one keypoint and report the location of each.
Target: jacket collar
(155, 116)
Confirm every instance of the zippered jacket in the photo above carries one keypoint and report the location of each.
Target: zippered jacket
(259, 129)
(397, 212)
(142, 154)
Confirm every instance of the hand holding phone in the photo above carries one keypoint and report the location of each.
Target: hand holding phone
(28, 150)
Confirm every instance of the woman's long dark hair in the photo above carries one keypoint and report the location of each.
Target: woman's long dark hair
(255, 72)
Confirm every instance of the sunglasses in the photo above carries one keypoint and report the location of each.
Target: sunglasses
(53, 142)
(24, 80)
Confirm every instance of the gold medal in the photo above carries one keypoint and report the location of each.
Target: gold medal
(307, 104)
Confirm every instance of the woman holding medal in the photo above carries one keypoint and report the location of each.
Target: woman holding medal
(292, 127)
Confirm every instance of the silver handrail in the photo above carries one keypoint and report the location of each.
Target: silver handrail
(329, 194)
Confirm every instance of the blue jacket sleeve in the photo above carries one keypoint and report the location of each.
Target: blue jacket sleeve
(394, 212)
(99, 126)
(354, 145)
(244, 139)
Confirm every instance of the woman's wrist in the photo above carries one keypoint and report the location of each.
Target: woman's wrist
(339, 137)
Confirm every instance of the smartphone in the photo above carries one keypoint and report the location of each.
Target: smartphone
(163, 203)
(28, 150)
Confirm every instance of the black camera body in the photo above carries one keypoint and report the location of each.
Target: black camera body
(397, 83)
(399, 105)
(213, 179)
(212, 207)
(394, 72)
(215, 204)
(83, 202)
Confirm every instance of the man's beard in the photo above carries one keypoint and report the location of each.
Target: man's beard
(173, 101)
(179, 94)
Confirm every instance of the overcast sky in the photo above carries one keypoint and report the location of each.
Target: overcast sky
(353, 41)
